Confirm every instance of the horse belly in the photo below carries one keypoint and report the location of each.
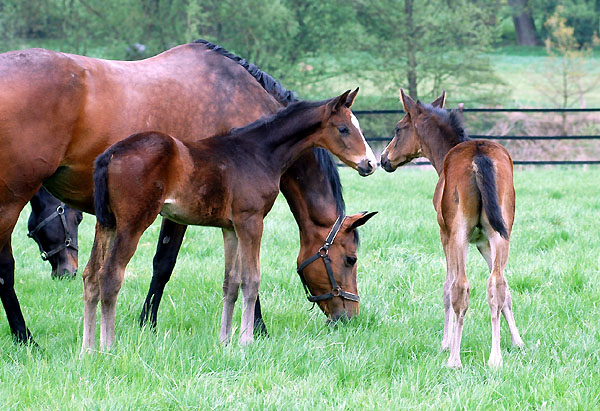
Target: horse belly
(204, 204)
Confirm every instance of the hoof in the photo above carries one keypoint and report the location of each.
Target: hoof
(495, 362)
(454, 364)
(518, 343)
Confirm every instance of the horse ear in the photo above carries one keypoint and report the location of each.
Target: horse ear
(338, 102)
(359, 219)
(410, 107)
(351, 98)
(440, 101)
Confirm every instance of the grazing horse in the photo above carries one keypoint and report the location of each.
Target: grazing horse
(53, 226)
(60, 111)
(475, 203)
(229, 181)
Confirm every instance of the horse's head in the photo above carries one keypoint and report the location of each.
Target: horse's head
(328, 268)
(53, 226)
(341, 134)
(407, 143)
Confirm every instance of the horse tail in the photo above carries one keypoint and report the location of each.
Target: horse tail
(104, 214)
(485, 178)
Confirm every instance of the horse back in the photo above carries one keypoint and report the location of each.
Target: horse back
(476, 174)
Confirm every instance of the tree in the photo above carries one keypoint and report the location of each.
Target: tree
(568, 76)
(430, 45)
(524, 25)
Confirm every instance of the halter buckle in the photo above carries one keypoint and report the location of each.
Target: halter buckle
(44, 255)
(60, 210)
(336, 292)
(324, 251)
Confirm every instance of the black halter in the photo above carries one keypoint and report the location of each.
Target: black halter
(323, 253)
(60, 212)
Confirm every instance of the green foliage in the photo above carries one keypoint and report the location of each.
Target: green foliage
(443, 43)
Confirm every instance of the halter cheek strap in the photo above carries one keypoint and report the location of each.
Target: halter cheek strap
(60, 212)
(323, 253)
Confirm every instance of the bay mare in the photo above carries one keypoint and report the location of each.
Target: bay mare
(231, 182)
(53, 226)
(475, 203)
(60, 111)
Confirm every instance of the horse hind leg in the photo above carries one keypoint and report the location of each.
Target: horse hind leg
(112, 274)
(448, 312)
(91, 289)
(456, 250)
(495, 252)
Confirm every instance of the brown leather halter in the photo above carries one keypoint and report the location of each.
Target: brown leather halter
(69, 243)
(323, 253)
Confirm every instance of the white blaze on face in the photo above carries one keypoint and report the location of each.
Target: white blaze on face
(368, 151)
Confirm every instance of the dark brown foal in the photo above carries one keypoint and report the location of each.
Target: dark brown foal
(475, 203)
(228, 181)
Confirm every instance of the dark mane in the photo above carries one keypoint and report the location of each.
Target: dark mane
(272, 86)
(285, 97)
(452, 119)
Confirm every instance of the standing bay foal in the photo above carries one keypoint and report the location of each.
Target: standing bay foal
(228, 181)
(475, 203)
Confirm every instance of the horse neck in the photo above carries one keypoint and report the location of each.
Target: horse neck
(312, 201)
(436, 145)
(288, 138)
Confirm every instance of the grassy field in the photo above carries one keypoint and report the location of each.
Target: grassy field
(386, 358)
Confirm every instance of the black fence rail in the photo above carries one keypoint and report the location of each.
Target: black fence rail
(399, 113)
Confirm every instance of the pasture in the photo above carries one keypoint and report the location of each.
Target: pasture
(387, 358)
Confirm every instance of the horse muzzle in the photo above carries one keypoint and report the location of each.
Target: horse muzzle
(366, 167)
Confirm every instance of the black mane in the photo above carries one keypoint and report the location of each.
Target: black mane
(285, 97)
(452, 118)
(272, 86)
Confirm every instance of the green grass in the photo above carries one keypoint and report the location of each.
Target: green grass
(386, 358)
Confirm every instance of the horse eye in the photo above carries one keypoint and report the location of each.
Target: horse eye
(350, 261)
(343, 130)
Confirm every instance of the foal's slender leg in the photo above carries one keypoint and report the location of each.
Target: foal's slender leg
(91, 289)
(169, 243)
(249, 235)
(231, 283)
(459, 290)
(112, 273)
(507, 311)
(448, 313)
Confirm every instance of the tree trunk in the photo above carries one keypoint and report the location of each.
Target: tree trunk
(524, 24)
(411, 70)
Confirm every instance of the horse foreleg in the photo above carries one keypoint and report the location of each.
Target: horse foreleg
(249, 235)
(169, 243)
(91, 290)
(8, 219)
(231, 283)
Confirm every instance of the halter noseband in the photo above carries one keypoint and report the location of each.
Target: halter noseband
(60, 212)
(323, 253)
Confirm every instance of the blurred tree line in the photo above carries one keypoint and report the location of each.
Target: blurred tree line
(424, 46)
